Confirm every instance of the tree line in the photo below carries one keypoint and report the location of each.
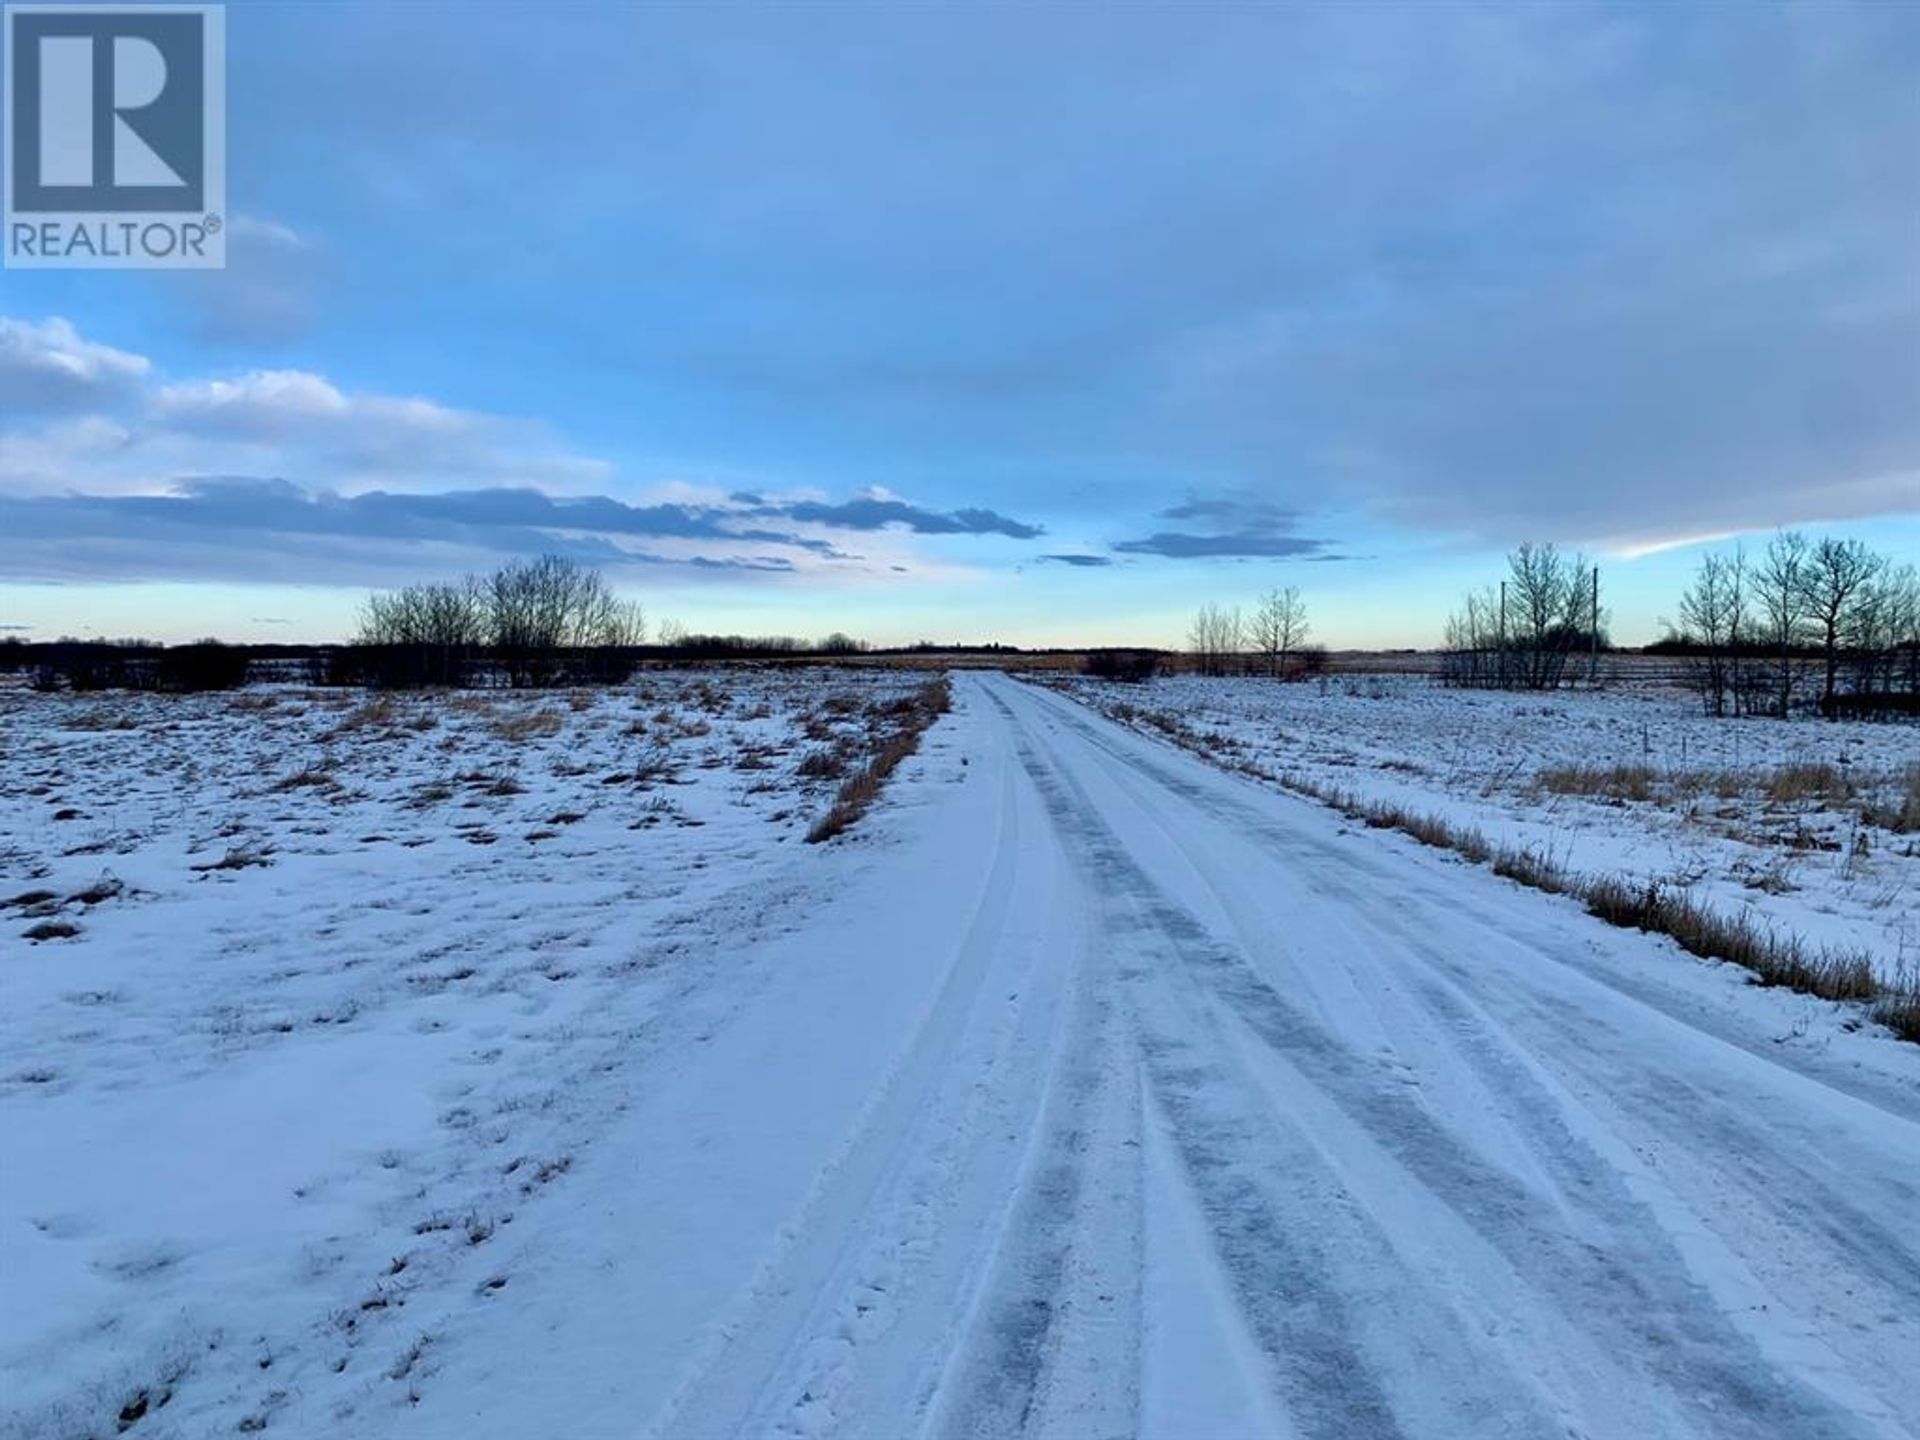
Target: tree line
(1831, 615)
(533, 624)
(1270, 640)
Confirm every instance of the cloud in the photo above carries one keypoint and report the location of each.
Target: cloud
(47, 368)
(873, 512)
(79, 414)
(115, 446)
(1079, 561)
(1579, 269)
(365, 435)
(251, 528)
(265, 529)
(1178, 545)
(1240, 526)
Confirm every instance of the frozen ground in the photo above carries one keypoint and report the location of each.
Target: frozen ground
(1711, 813)
(348, 984)
(1085, 1090)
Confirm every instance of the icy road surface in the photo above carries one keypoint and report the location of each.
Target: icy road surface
(1118, 1097)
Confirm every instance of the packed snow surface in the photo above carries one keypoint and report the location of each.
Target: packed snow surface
(1084, 1089)
(1796, 823)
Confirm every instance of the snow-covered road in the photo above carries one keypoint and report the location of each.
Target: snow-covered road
(1113, 1095)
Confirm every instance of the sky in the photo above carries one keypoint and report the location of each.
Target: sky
(1042, 324)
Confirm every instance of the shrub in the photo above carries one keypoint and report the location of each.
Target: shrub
(208, 665)
(1128, 666)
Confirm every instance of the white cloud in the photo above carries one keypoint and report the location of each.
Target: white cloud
(276, 472)
(86, 415)
(49, 368)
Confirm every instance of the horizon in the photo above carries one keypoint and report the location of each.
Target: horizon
(1039, 326)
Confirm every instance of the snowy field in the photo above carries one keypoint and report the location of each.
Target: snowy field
(498, 1068)
(324, 993)
(1798, 823)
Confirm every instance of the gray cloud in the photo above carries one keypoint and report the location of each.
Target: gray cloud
(1569, 270)
(1178, 545)
(241, 526)
(1078, 561)
(1239, 526)
(873, 513)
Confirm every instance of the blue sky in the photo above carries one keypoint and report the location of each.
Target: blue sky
(1030, 323)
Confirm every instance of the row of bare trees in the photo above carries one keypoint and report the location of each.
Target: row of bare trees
(1760, 630)
(1270, 640)
(533, 622)
(1532, 630)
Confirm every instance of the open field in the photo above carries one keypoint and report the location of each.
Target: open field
(307, 994)
(490, 1066)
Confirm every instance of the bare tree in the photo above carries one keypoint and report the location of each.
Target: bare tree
(424, 634)
(1279, 627)
(1216, 638)
(1837, 576)
(1780, 598)
(1709, 619)
(1522, 635)
(1546, 613)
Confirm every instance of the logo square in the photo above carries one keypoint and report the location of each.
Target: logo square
(115, 139)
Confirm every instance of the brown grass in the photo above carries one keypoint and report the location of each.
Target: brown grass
(1776, 958)
(1901, 814)
(1613, 782)
(1532, 867)
(314, 777)
(1899, 1011)
(528, 725)
(860, 790)
(380, 712)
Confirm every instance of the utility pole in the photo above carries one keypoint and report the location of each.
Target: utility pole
(1503, 635)
(1593, 666)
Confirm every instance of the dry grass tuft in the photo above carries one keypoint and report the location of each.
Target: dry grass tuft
(926, 705)
(1532, 867)
(381, 713)
(1901, 814)
(1799, 783)
(314, 777)
(1776, 958)
(1612, 782)
(825, 763)
(529, 725)
(1899, 1011)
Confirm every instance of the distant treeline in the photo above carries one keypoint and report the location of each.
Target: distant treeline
(530, 624)
(128, 664)
(1826, 625)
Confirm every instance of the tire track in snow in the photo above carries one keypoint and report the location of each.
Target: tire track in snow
(1053, 1336)
(1627, 1282)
